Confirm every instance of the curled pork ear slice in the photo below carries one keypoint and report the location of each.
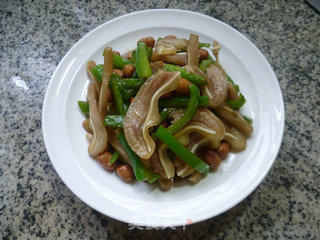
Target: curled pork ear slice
(100, 137)
(235, 119)
(217, 87)
(235, 138)
(204, 123)
(180, 59)
(169, 45)
(143, 112)
(91, 65)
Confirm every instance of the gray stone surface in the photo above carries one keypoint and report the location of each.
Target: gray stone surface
(35, 203)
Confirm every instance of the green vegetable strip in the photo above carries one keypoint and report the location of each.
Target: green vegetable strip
(190, 112)
(140, 171)
(97, 72)
(192, 77)
(113, 121)
(204, 64)
(119, 62)
(249, 120)
(130, 82)
(149, 52)
(181, 151)
(237, 103)
(233, 83)
(84, 107)
(117, 95)
(114, 158)
(164, 114)
(127, 94)
(182, 102)
(142, 62)
(201, 45)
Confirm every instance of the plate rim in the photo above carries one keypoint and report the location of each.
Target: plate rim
(223, 209)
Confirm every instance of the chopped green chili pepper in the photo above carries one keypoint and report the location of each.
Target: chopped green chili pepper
(130, 82)
(190, 112)
(164, 114)
(182, 102)
(140, 171)
(127, 94)
(249, 120)
(192, 77)
(114, 158)
(119, 62)
(204, 64)
(149, 52)
(203, 44)
(181, 151)
(141, 61)
(84, 107)
(117, 94)
(233, 83)
(97, 72)
(113, 121)
(237, 103)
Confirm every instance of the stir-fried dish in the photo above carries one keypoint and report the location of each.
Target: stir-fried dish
(165, 111)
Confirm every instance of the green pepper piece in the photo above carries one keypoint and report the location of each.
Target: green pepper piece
(204, 64)
(115, 156)
(117, 94)
(249, 120)
(164, 114)
(130, 82)
(113, 121)
(127, 94)
(142, 62)
(181, 151)
(149, 52)
(97, 72)
(119, 62)
(182, 102)
(84, 107)
(140, 171)
(237, 103)
(190, 112)
(192, 77)
(203, 44)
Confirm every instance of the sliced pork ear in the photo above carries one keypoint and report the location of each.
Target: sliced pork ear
(169, 45)
(217, 88)
(100, 136)
(193, 49)
(91, 65)
(204, 123)
(235, 119)
(235, 138)
(143, 112)
(180, 59)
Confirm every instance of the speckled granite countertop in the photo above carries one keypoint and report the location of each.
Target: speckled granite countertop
(35, 203)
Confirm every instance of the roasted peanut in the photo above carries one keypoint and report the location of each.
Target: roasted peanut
(86, 125)
(128, 70)
(119, 72)
(149, 41)
(223, 150)
(203, 54)
(125, 172)
(104, 159)
(183, 87)
(212, 158)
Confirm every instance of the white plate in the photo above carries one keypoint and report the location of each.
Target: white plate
(140, 203)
